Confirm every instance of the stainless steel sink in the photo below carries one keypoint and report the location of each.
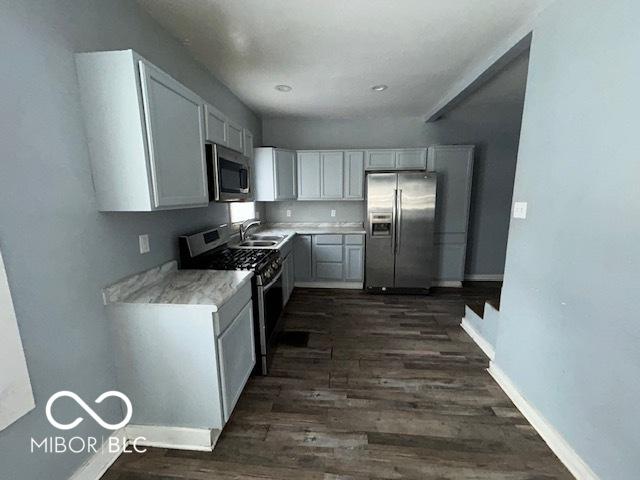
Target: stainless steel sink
(275, 238)
(258, 243)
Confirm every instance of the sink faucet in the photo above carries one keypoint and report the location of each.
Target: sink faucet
(245, 226)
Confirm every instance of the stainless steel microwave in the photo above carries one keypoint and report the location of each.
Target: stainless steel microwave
(228, 174)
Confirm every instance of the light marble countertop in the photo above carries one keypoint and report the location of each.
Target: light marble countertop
(168, 285)
(354, 228)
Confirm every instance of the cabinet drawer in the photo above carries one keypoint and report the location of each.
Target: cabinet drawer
(327, 239)
(236, 355)
(328, 253)
(354, 239)
(328, 271)
(229, 311)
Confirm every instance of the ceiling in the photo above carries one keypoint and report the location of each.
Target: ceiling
(333, 51)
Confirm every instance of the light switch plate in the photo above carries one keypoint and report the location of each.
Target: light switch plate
(333, 212)
(143, 241)
(520, 210)
(288, 212)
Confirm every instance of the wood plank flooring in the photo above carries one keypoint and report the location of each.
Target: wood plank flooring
(387, 387)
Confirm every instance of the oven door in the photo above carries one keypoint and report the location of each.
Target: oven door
(270, 298)
(229, 175)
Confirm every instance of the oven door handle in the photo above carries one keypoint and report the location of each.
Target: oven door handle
(267, 287)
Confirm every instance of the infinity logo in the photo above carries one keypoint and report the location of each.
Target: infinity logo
(89, 410)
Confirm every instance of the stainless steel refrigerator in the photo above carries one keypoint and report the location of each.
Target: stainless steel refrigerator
(400, 222)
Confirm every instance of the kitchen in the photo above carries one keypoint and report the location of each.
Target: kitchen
(220, 164)
(288, 273)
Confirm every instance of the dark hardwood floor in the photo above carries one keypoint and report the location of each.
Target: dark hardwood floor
(387, 387)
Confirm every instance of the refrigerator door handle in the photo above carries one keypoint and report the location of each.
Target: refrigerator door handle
(399, 222)
(394, 223)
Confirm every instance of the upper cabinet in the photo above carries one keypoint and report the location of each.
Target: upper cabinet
(146, 134)
(396, 159)
(330, 175)
(235, 137)
(216, 124)
(275, 174)
(354, 175)
(247, 143)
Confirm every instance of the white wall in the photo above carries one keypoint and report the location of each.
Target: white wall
(59, 251)
(490, 118)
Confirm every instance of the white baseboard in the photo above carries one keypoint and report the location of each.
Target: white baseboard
(567, 455)
(484, 345)
(100, 462)
(180, 438)
(447, 283)
(344, 285)
(484, 278)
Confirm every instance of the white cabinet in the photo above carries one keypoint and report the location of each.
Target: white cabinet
(191, 361)
(235, 137)
(177, 158)
(275, 174)
(380, 160)
(354, 263)
(330, 175)
(396, 159)
(236, 358)
(354, 175)
(309, 175)
(247, 143)
(334, 261)
(216, 125)
(332, 164)
(145, 132)
(454, 165)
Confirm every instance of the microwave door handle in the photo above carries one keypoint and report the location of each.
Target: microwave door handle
(216, 173)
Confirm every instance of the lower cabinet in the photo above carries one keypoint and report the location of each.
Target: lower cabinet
(236, 358)
(288, 277)
(322, 259)
(302, 258)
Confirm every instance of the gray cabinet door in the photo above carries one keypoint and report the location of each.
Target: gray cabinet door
(380, 160)
(354, 175)
(216, 125)
(454, 165)
(354, 263)
(327, 271)
(302, 258)
(411, 159)
(235, 137)
(332, 175)
(285, 170)
(309, 177)
(236, 356)
(247, 143)
(177, 156)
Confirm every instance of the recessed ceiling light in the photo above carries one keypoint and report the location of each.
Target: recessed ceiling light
(379, 88)
(283, 88)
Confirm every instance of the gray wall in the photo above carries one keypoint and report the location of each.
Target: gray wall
(58, 249)
(489, 118)
(309, 211)
(569, 335)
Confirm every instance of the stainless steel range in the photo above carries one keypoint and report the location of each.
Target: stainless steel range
(209, 249)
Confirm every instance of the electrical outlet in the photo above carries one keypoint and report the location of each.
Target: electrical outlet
(333, 212)
(143, 241)
(288, 212)
(520, 210)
